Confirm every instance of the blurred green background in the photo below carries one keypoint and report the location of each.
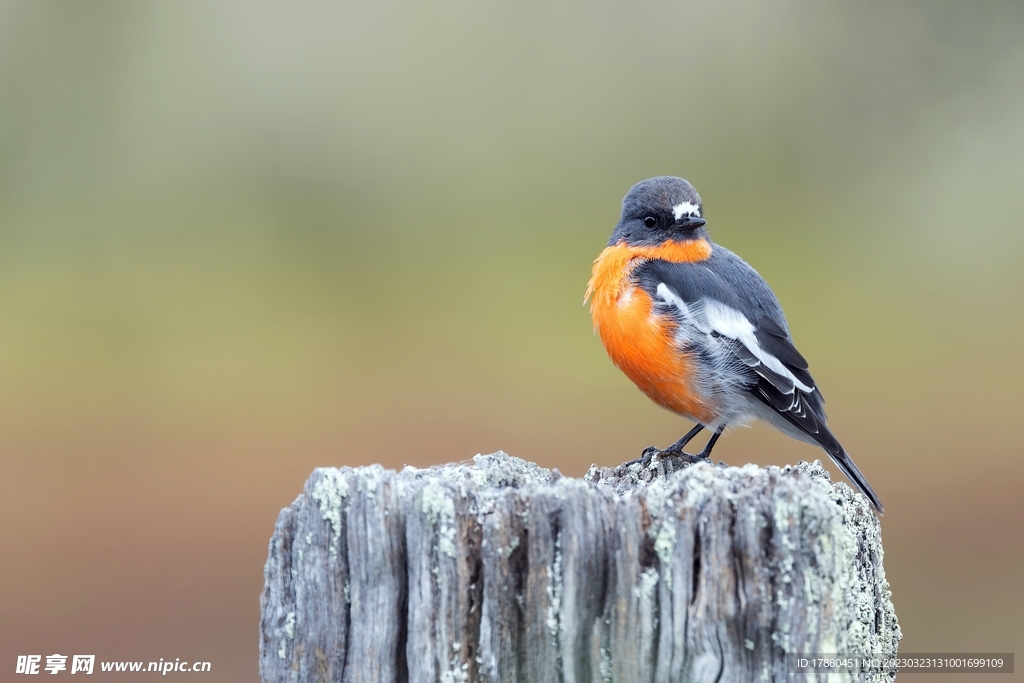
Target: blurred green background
(239, 240)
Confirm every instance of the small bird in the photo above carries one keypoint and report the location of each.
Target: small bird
(698, 330)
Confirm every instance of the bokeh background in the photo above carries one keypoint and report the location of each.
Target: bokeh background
(239, 240)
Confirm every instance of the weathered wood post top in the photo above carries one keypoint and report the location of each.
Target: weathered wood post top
(499, 570)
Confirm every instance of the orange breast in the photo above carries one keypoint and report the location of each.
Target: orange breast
(639, 341)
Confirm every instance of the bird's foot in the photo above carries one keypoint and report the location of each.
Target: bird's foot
(674, 459)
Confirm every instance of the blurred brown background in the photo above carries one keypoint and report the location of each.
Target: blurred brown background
(239, 240)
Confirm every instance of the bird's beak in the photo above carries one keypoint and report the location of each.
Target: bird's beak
(690, 222)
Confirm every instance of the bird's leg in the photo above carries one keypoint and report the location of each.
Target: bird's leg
(677, 447)
(675, 450)
(706, 453)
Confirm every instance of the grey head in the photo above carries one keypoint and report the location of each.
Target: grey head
(660, 209)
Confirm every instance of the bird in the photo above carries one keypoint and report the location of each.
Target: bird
(699, 331)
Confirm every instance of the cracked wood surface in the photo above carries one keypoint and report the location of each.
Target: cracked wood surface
(499, 570)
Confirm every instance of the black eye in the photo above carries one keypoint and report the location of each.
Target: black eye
(650, 221)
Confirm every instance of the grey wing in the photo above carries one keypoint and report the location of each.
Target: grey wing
(725, 300)
(755, 297)
(757, 302)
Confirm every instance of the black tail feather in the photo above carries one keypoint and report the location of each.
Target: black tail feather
(806, 412)
(849, 468)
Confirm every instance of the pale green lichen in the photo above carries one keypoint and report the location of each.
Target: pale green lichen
(657, 494)
(865, 587)
(479, 477)
(554, 620)
(456, 673)
(289, 625)
(440, 511)
(664, 546)
(605, 666)
(648, 582)
(329, 491)
(499, 470)
(288, 631)
(839, 585)
(697, 485)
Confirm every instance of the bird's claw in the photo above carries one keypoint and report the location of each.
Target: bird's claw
(651, 453)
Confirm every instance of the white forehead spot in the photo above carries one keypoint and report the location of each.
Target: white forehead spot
(685, 209)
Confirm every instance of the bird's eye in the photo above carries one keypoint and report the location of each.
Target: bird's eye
(650, 221)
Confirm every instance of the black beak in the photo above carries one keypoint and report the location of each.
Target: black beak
(690, 222)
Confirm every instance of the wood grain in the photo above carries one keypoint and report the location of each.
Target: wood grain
(499, 570)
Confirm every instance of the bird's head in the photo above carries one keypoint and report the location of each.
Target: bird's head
(658, 210)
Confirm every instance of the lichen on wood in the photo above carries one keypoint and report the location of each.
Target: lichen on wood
(499, 570)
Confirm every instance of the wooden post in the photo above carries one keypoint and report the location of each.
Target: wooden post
(499, 570)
